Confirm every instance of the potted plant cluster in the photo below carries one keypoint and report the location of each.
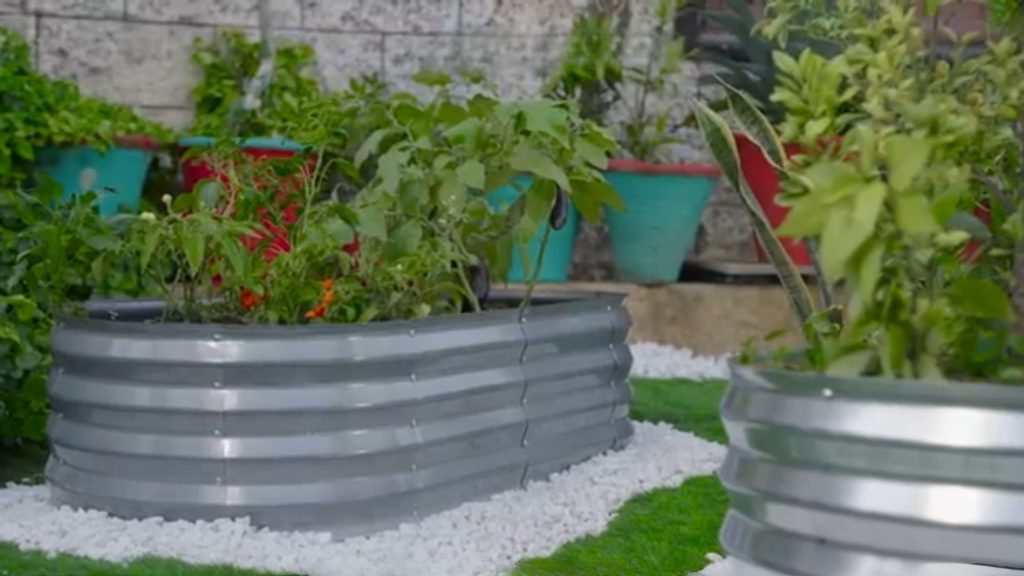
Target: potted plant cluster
(82, 143)
(249, 106)
(888, 441)
(663, 200)
(372, 379)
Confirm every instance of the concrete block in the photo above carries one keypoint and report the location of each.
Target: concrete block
(10, 6)
(726, 235)
(520, 16)
(285, 13)
(176, 118)
(131, 63)
(342, 56)
(91, 8)
(22, 24)
(415, 16)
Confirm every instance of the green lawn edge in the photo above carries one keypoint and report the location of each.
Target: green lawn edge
(666, 532)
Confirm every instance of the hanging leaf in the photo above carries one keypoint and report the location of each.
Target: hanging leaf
(528, 159)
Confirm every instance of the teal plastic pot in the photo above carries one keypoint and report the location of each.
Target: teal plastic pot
(664, 206)
(558, 255)
(117, 176)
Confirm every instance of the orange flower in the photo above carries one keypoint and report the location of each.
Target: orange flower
(249, 299)
(328, 284)
(328, 298)
(317, 312)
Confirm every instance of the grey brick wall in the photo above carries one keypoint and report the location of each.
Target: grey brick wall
(137, 52)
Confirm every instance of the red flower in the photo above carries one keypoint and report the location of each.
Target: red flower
(317, 312)
(249, 299)
(352, 248)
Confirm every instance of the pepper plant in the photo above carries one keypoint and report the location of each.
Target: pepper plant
(891, 204)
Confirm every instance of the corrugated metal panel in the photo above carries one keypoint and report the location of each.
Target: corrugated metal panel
(349, 429)
(842, 477)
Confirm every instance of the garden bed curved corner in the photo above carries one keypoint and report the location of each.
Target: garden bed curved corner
(346, 429)
(832, 476)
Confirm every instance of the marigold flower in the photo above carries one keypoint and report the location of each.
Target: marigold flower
(318, 312)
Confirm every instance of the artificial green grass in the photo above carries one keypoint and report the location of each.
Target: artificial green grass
(15, 562)
(666, 532)
(688, 406)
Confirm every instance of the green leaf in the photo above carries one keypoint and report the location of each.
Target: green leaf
(405, 240)
(914, 215)
(851, 363)
(340, 231)
(526, 158)
(451, 195)
(756, 126)
(195, 247)
(598, 190)
(370, 145)
(867, 205)
(870, 271)
(593, 155)
(372, 223)
(547, 117)
(432, 78)
(976, 298)
(905, 158)
(472, 174)
(539, 200)
(720, 142)
(149, 245)
(390, 168)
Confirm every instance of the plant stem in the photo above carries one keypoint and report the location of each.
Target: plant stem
(828, 297)
(535, 273)
(468, 286)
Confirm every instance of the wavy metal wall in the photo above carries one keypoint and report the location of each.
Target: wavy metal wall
(347, 429)
(842, 477)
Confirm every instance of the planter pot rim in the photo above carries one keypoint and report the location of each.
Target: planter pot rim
(679, 169)
(103, 315)
(926, 391)
(250, 143)
(140, 141)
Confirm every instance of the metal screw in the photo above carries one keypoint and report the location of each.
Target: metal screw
(218, 480)
(217, 337)
(609, 308)
(217, 385)
(414, 423)
(827, 392)
(522, 320)
(415, 467)
(412, 377)
(611, 346)
(218, 433)
(412, 332)
(525, 443)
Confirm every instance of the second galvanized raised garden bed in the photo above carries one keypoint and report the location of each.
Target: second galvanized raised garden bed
(347, 429)
(841, 476)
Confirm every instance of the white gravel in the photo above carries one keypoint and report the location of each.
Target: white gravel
(660, 361)
(476, 539)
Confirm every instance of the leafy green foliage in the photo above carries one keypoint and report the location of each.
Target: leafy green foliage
(228, 62)
(37, 111)
(594, 73)
(52, 256)
(889, 204)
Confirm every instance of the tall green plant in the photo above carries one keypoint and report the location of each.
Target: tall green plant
(889, 205)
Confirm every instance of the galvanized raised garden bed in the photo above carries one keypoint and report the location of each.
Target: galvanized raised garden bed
(857, 476)
(347, 429)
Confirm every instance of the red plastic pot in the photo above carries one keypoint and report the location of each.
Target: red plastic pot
(763, 180)
(196, 169)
